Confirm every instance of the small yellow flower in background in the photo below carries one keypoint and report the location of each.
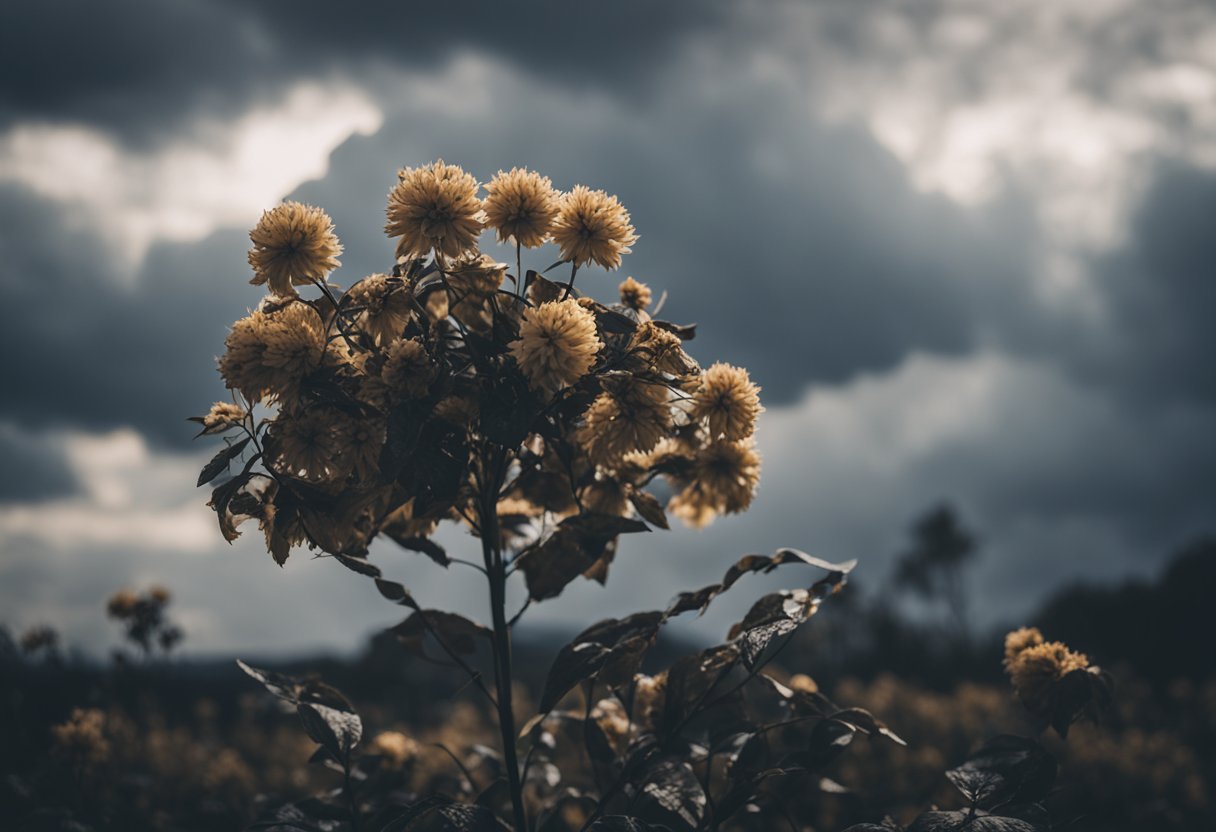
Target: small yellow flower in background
(728, 401)
(395, 747)
(592, 226)
(408, 370)
(122, 604)
(293, 245)
(434, 207)
(386, 307)
(1034, 665)
(521, 205)
(557, 345)
(160, 594)
(223, 415)
(635, 295)
(83, 736)
(802, 682)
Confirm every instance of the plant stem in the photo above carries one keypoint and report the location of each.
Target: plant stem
(496, 568)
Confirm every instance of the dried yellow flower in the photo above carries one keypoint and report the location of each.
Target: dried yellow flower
(727, 401)
(223, 415)
(434, 207)
(293, 245)
(473, 280)
(307, 445)
(723, 480)
(557, 345)
(635, 295)
(385, 304)
(1036, 667)
(408, 369)
(661, 350)
(802, 682)
(592, 226)
(521, 205)
(634, 421)
(1018, 640)
(359, 443)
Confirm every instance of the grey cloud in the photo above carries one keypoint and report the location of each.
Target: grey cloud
(34, 467)
(143, 68)
(98, 352)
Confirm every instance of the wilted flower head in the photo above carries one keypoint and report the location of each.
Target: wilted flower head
(592, 226)
(662, 351)
(160, 594)
(434, 206)
(293, 245)
(408, 369)
(521, 205)
(557, 345)
(473, 280)
(635, 295)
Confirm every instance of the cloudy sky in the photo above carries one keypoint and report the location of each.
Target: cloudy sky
(966, 247)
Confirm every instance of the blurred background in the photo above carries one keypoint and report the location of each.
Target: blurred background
(966, 248)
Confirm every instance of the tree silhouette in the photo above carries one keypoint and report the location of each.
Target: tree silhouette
(932, 566)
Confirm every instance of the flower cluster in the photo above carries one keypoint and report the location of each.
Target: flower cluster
(403, 401)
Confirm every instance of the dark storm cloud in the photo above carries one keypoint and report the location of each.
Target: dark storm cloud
(90, 350)
(139, 68)
(1160, 340)
(34, 467)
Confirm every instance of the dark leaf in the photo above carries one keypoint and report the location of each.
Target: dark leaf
(574, 546)
(672, 787)
(425, 546)
(1007, 769)
(649, 507)
(623, 823)
(219, 462)
(763, 564)
(960, 821)
(397, 593)
(588, 652)
(457, 632)
(361, 565)
(867, 723)
(686, 332)
(281, 685)
(336, 730)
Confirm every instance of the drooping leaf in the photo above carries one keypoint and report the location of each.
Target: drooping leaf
(764, 564)
(219, 462)
(397, 593)
(963, 821)
(425, 546)
(361, 565)
(623, 823)
(574, 546)
(649, 507)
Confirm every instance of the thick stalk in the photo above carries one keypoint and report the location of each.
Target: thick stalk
(496, 568)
